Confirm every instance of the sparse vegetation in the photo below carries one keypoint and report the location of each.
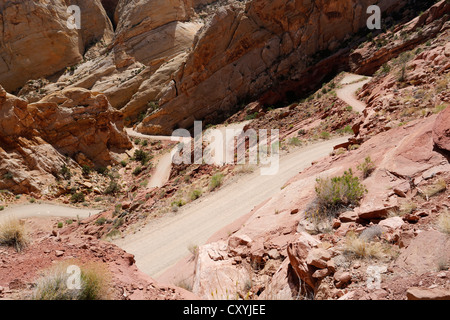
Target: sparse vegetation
(367, 167)
(77, 197)
(335, 194)
(100, 221)
(86, 170)
(363, 248)
(216, 181)
(142, 156)
(94, 283)
(195, 194)
(295, 142)
(112, 188)
(137, 171)
(65, 172)
(325, 135)
(435, 189)
(13, 234)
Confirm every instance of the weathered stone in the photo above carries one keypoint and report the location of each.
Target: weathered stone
(428, 294)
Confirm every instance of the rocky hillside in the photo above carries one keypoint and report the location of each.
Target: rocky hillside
(367, 212)
(292, 248)
(158, 57)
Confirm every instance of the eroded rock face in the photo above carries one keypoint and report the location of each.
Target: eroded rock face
(441, 130)
(262, 43)
(36, 41)
(36, 138)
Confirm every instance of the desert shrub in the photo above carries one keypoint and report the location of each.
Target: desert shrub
(86, 170)
(77, 197)
(32, 200)
(137, 141)
(195, 194)
(295, 142)
(334, 195)
(112, 188)
(178, 203)
(367, 167)
(65, 172)
(8, 176)
(13, 234)
(100, 221)
(325, 135)
(102, 170)
(137, 171)
(362, 248)
(123, 163)
(95, 281)
(142, 156)
(60, 225)
(216, 181)
(2, 208)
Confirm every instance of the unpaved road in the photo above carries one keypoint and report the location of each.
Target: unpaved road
(163, 242)
(351, 83)
(45, 210)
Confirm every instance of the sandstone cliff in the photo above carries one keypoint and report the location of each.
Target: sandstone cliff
(36, 139)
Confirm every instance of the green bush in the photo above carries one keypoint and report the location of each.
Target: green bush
(325, 135)
(142, 156)
(137, 171)
(216, 181)
(86, 170)
(334, 195)
(367, 167)
(77, 197)
(295, 142)
(195, 194)
(102, 170)
(112, 188)
(65, 172)
(100, 221)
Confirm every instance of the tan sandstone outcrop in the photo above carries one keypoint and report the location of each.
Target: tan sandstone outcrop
(36, 139)
(36, 41)
(261, 43)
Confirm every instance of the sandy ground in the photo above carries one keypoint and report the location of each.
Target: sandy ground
(163, 242)
(351, 83)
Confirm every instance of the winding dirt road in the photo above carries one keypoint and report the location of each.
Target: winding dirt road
(163, 242)
(351, 83)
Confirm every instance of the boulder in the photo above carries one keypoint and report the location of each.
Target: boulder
(420, 257)
(416, 293)
(441, 130)
(298, 252)
(318, 258)
(393, 223)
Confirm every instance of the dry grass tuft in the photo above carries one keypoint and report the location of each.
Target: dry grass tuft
(361, 248)
(436, 188)
(444, 222)
(95, 283)
(12, 233)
